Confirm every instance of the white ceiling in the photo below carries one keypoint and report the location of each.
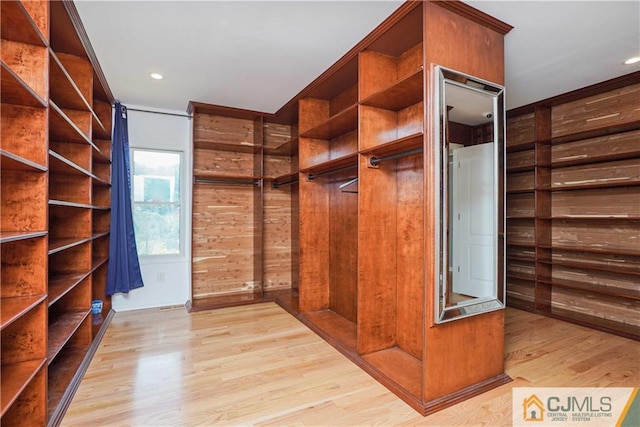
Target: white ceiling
(258, 55)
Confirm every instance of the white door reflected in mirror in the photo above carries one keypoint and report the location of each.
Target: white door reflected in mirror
(470, 131)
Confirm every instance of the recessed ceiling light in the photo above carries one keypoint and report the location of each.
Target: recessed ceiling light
(156, 76)
(633, 60)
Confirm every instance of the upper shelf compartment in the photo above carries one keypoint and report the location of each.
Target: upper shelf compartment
(238, 131)
(24, 80)
(399, 94)
(331, 108)
(25, 22)
(343, 122)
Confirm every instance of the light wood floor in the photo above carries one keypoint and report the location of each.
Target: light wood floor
(257, 365)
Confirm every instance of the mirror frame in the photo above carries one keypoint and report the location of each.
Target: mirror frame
(478, 305)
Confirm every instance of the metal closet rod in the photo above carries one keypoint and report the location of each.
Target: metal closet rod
(348, 183)
(282, 184)
(226, 181)
(312, 176)
(375, 161)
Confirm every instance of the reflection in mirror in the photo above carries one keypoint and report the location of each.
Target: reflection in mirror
(470, 263)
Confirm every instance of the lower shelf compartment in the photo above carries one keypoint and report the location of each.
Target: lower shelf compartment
(15, 378)
(232, 300)
(61, 373)
(395, 369)
(395, 363)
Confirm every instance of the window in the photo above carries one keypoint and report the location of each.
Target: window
(156, 201)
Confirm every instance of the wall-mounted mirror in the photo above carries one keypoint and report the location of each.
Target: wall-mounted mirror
(470, 255)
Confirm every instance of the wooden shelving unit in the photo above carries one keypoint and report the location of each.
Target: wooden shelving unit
(341, 228)
(227, 208)
(48, 126)
(23, 226)
(573, 184)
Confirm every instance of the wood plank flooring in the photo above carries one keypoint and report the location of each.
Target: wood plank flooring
(257, 365)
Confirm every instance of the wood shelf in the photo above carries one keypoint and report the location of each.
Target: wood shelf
(205, 175)
(61, 165)
(595, 133)
(99, 156)
(16, 377)
(96, 263)
(62, 329)
(61, 284)
(331, 165)
(14, 307)
(236, 148)
(61, 373)
(288, 148)
(12, 161)
(64, 91)
(623, 269)
(14, 90)
(396, 146)
(610, 326)
(69, 204)
(62, 128)
(519, 276)
(603, 251)
(400, 367)
(338, 124)
(61, 244)
(401, 94)
(590, 287)
(13, 236)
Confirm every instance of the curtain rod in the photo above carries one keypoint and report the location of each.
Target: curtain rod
(159, 112)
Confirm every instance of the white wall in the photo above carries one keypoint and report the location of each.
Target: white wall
(166, 280)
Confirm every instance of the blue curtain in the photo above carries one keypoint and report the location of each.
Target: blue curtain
(124, 267)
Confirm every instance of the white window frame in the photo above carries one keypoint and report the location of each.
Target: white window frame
(181, 245)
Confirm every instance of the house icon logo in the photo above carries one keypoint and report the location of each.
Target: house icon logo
(533, 408)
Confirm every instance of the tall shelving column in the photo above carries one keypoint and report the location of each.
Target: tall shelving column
(391, 206)
(23, 226)
(227, 207)
(573, 183)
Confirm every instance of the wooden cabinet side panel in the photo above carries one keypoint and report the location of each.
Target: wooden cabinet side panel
(377, 257)
(463, 353)
(314, 245)
(455, 42)
(410, 255)
(343, 247)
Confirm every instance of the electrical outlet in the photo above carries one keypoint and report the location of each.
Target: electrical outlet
(160, 277)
